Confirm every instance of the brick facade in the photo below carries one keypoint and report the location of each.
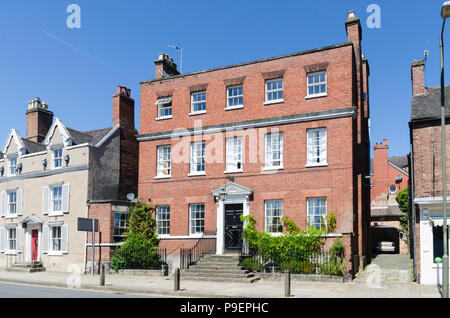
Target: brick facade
(342, 111)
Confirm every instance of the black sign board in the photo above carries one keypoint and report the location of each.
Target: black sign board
(86, 224)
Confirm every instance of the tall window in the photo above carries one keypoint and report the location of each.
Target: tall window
(273, 214)
(164, 107)
(317, 212)
(234, 154)
(120, 226)
(274, 90)
(12, 166)
(274, 150)
(317, 84)
(197, 218)
(12, 202)
(12, 239)
(57, 158)
(235, 96)
(57, 198)
(317, 146)
(55, 238)
(164, 161)
(163, 220)
(198, 157)
(198, 102)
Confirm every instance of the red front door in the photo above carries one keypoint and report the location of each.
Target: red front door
(34, 245)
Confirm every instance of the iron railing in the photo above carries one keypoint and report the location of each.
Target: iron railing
(297, 262)
(190, 256)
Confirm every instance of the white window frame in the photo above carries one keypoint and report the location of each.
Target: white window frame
(193, 219)
(163, 104)
(271, 91)
(51, 249)
(120, 226)
(57, 161)
(12, 167)
(317, 147)
(164, 157)
(8, 198)
(8, 250)
(269, 224)
(270, 141)
(52, 200)
(194, 103)
(195, 158)
(310, 216)
(234, 155)
(235, 93)
(163, 220)
(320, 83)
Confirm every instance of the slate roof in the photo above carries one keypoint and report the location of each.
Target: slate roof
(401, 161)
(32, 146)
(90, 136)
(428, 105)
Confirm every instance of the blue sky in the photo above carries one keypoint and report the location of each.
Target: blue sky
(77, 70)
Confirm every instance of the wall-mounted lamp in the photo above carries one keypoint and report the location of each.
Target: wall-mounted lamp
(19, 168)
(431, 222)
(67, 159)
(44, 163)
(2, 171)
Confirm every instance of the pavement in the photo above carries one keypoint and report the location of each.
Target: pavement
(363, 287)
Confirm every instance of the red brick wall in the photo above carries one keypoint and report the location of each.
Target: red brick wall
(103, 212)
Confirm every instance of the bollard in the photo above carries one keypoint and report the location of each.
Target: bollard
(102, 275)
(177, 280)
(287, 283)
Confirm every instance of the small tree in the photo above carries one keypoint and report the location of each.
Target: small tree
(140, 248)
(403, 202)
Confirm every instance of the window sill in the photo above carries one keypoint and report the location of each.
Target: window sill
(272, 168)
(11, 216)
(234, 107)
(316, 96)
(196, 174)
(315, 165)
(164, 236)
(234, 171)
(164, 118)
(272, 102)
(197, 113)
(56, 213)
(163, 177)
(54, 253)
(11, 252)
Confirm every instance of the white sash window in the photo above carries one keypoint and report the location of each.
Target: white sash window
(317, 146)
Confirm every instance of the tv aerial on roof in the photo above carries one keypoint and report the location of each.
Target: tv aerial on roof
(180, 49)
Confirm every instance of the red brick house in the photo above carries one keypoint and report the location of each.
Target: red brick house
(283, 136)
(426, 174)
(389, 176)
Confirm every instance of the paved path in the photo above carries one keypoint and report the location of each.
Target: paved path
(387, 268)
(163, 286)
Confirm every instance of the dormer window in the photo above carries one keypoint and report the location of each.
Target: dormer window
(57, 158)
(12, 166)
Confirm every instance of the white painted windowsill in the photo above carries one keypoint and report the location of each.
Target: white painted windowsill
(278, 101)
(197, 113)
(234, 107)
(233, 171)
(316, 96)
(164, 118)
(314, 165)
(273, 168)
(163, 177)
(196, 174)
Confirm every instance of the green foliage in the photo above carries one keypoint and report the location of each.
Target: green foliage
(140, 248)
(331, 222)
(403, 202)
(338, 247)
(252, 265)
(333, 266)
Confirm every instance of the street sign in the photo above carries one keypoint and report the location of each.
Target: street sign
(86, 224)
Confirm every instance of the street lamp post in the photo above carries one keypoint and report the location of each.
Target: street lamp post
(445, 13)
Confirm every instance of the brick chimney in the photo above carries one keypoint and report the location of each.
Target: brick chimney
(164, 66)
(380, 168)
(418, 77)
(39, 120)
(123, 108)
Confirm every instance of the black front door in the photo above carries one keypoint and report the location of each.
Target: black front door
(233, 227)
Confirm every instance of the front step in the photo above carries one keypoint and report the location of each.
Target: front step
(219, 268)
(27, 267)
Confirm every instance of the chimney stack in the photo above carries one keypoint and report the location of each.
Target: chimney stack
(123, 108)
(165, 66)
(418, 77)
(39, 120)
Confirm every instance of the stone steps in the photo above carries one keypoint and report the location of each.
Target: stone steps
(218, 268)
(27, 267)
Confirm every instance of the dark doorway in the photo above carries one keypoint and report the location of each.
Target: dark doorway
(233, 227)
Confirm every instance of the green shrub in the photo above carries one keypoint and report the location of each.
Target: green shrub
(252, 264)
(333, 266)
(338, 247)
